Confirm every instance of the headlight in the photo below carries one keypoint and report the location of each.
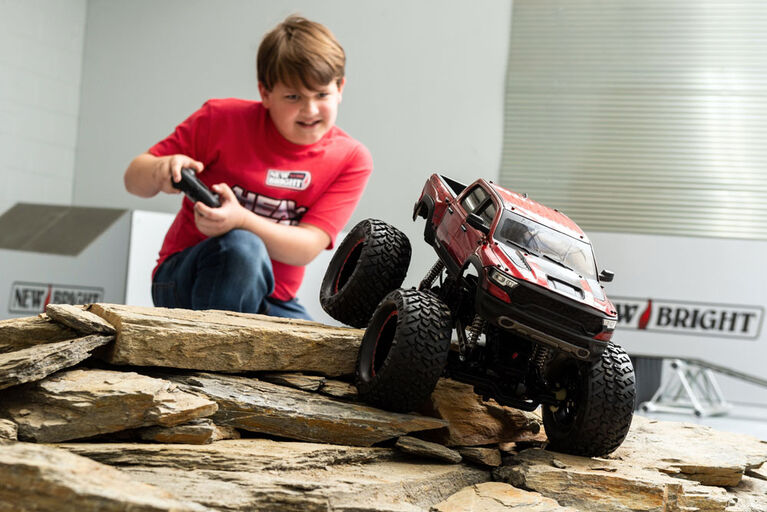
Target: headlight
(502, 279)
(609, 324)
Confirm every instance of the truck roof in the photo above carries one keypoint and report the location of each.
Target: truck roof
(540, 213)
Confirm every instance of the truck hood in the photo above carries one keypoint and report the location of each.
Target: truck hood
(559, 279)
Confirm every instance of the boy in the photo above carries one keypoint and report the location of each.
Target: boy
(288, 178)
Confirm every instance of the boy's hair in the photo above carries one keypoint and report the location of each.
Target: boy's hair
(300, 52)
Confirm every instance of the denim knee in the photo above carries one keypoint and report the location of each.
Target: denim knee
(246, 256)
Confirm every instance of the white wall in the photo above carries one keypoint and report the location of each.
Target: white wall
(41, 47)
(424, 91)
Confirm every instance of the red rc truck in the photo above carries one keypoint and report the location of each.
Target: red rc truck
(519, 284)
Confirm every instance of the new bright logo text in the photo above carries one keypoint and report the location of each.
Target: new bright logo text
(720, 320)
(31, 298)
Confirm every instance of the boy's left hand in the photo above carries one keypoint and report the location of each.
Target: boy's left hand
(217, 221)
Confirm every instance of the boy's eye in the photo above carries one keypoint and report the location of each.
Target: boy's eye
(291, 97)
(322, 95)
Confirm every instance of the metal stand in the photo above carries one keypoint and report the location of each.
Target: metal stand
(692, 388)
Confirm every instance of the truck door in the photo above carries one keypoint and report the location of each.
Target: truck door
(463, 238)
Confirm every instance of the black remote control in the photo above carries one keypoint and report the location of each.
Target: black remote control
(196, 190)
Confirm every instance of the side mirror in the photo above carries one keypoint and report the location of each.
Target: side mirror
(478, 223)
(606, 276)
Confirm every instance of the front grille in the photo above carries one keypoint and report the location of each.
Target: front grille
(548, 310)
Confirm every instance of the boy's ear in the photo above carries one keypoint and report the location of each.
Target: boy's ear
(341, 87)
(265, 94)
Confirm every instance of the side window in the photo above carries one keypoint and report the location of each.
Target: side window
(479, 202)
(488, 211)
(473, 199)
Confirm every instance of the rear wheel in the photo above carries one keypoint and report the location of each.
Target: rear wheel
(597, 404)
(403, 351)
(370, 262)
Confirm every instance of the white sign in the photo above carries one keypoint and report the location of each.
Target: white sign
(31, 298)
(691, 318)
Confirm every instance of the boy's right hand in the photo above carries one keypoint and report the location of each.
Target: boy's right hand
(169, 168)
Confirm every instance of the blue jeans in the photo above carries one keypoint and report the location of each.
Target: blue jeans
(232, 272)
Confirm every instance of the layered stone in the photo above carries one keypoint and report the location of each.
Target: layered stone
(227, 342)
(81, 403)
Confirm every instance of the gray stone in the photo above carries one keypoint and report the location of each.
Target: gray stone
(227, 342)
(81, 403)
(39, 361)
(257, 406)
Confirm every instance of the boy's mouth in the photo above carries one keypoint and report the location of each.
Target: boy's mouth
(309, 124)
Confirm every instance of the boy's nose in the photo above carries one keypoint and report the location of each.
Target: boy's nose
(310, 107)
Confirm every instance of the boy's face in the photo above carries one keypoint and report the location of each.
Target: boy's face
(301, 115)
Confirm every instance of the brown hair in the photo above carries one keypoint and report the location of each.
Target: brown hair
(299, 51)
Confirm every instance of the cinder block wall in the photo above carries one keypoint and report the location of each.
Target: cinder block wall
(41, 54)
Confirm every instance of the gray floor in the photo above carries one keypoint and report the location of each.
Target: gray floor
(742, 419)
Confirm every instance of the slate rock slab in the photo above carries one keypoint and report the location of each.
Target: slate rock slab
(693, 452)
(79, 319)
(427, 450)
(41, 478)
(199, 431)
(484, 456)
(81, 403)
(8, 430)
(474, 422)
(257, 406)
(39, 361)
(259, 474)
(20, 333)
(599, 485)
(498, 497)
(224, 341)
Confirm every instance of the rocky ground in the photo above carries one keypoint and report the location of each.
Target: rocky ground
(116, 408)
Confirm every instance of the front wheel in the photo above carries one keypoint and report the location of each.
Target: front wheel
(597, 404)
(403, 351)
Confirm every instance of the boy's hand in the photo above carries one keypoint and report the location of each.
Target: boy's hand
(217, 221)
(170, 168)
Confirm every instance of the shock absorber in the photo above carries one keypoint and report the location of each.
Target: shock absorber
(541, 355)
(435, 271)
(468, 338)
(477, 326)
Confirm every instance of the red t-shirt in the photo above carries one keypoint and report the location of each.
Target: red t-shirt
(236, 140)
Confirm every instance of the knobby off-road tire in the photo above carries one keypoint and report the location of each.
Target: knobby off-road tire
(597, 412)
(370, 262)
(404, 350)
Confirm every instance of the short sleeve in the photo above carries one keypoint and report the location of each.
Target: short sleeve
(336, 205)
(189, 138)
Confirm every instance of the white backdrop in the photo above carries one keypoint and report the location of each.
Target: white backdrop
(702, 273)
(424, 88)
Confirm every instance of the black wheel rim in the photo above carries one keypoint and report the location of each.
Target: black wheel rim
(566, 412)
(348, 266)
(383, 342)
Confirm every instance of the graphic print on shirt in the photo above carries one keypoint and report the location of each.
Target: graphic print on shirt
(282, 211)
(294, 180)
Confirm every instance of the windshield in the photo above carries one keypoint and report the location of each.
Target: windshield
(545, 242)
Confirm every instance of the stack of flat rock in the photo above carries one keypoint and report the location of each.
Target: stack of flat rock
(110, 407)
